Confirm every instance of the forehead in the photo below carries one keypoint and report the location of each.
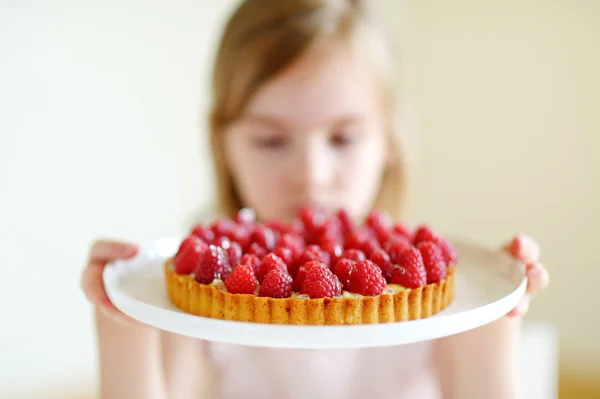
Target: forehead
(320, 86)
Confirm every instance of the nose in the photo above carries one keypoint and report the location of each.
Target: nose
(314, 168)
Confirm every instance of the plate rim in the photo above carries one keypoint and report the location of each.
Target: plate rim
(475, 317)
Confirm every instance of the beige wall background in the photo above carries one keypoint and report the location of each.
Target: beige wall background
(507, 96)
(100, 113)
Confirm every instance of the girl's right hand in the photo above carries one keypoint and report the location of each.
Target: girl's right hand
(101, 253)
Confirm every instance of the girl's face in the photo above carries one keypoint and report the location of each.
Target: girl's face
(313, 136)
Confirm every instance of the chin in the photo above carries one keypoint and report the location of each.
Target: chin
(283, 215)
(328, 208)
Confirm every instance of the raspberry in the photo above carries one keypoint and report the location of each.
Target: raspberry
(251, 260)
(277, 284)
(396, 248)
(264, 236)
(433, 259)
(329, 231)
(222, 242)
(234, 253)
(370, 245)
(356, 239)
(286, 255)
(448, 250)
(406, 278)
(204, 233)
(241, 235)
(296, 228)
(366, 279)
(302, 270)
(401, 229)
(213, 264)
(270, 262)
(382, 259)
(342, 270)
(354, 254)
(190, 241)
(320, 282)
(388, 244)
(257, 250)
(241, 280)
(423, 233)
(346, 225)
(293, 242)
(188, 255)
(223, 228)
(245, 217)
(378, 220)
(333, 249)
(410, 270)
(363, 240)
(312, 218)
(314, 252)
(277, 226)
(383, 236)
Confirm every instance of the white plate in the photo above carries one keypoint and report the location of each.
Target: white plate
(488, 285)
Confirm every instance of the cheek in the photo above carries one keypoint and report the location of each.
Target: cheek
(360, 176)
(256, 179)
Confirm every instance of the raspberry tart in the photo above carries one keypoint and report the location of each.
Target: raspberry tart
(317, 270)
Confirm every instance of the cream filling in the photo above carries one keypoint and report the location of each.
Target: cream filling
(390, 289)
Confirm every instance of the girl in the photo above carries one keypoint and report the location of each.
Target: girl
(304, 115)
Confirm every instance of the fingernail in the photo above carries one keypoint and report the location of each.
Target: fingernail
(529, 248)
(107, 303)
(534, 271)
(522, 309)
(514, 312)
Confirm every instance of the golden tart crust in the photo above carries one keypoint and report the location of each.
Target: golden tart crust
(215, 302)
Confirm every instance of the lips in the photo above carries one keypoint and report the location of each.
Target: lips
(325, 207)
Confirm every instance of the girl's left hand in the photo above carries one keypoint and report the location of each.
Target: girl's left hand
(527, 250)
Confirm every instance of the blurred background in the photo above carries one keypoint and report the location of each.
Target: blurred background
(102, 108)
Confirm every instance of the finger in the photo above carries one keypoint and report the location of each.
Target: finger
(524, 247)
(521, 309)
(106, 250)
(94, 290)
(537, 278)
(93, 286)
(117, 317)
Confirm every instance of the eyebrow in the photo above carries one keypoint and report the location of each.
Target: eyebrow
(350, 118)
(280, 124)
(263, 120)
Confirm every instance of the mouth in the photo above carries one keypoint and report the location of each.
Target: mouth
(324, 208)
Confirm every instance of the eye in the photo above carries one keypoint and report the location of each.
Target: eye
(343, 138)
(270, 142)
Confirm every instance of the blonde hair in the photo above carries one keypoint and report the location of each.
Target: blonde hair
(261, 39)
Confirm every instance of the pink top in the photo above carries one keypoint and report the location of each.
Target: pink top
(391, 372)
(398, 372)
